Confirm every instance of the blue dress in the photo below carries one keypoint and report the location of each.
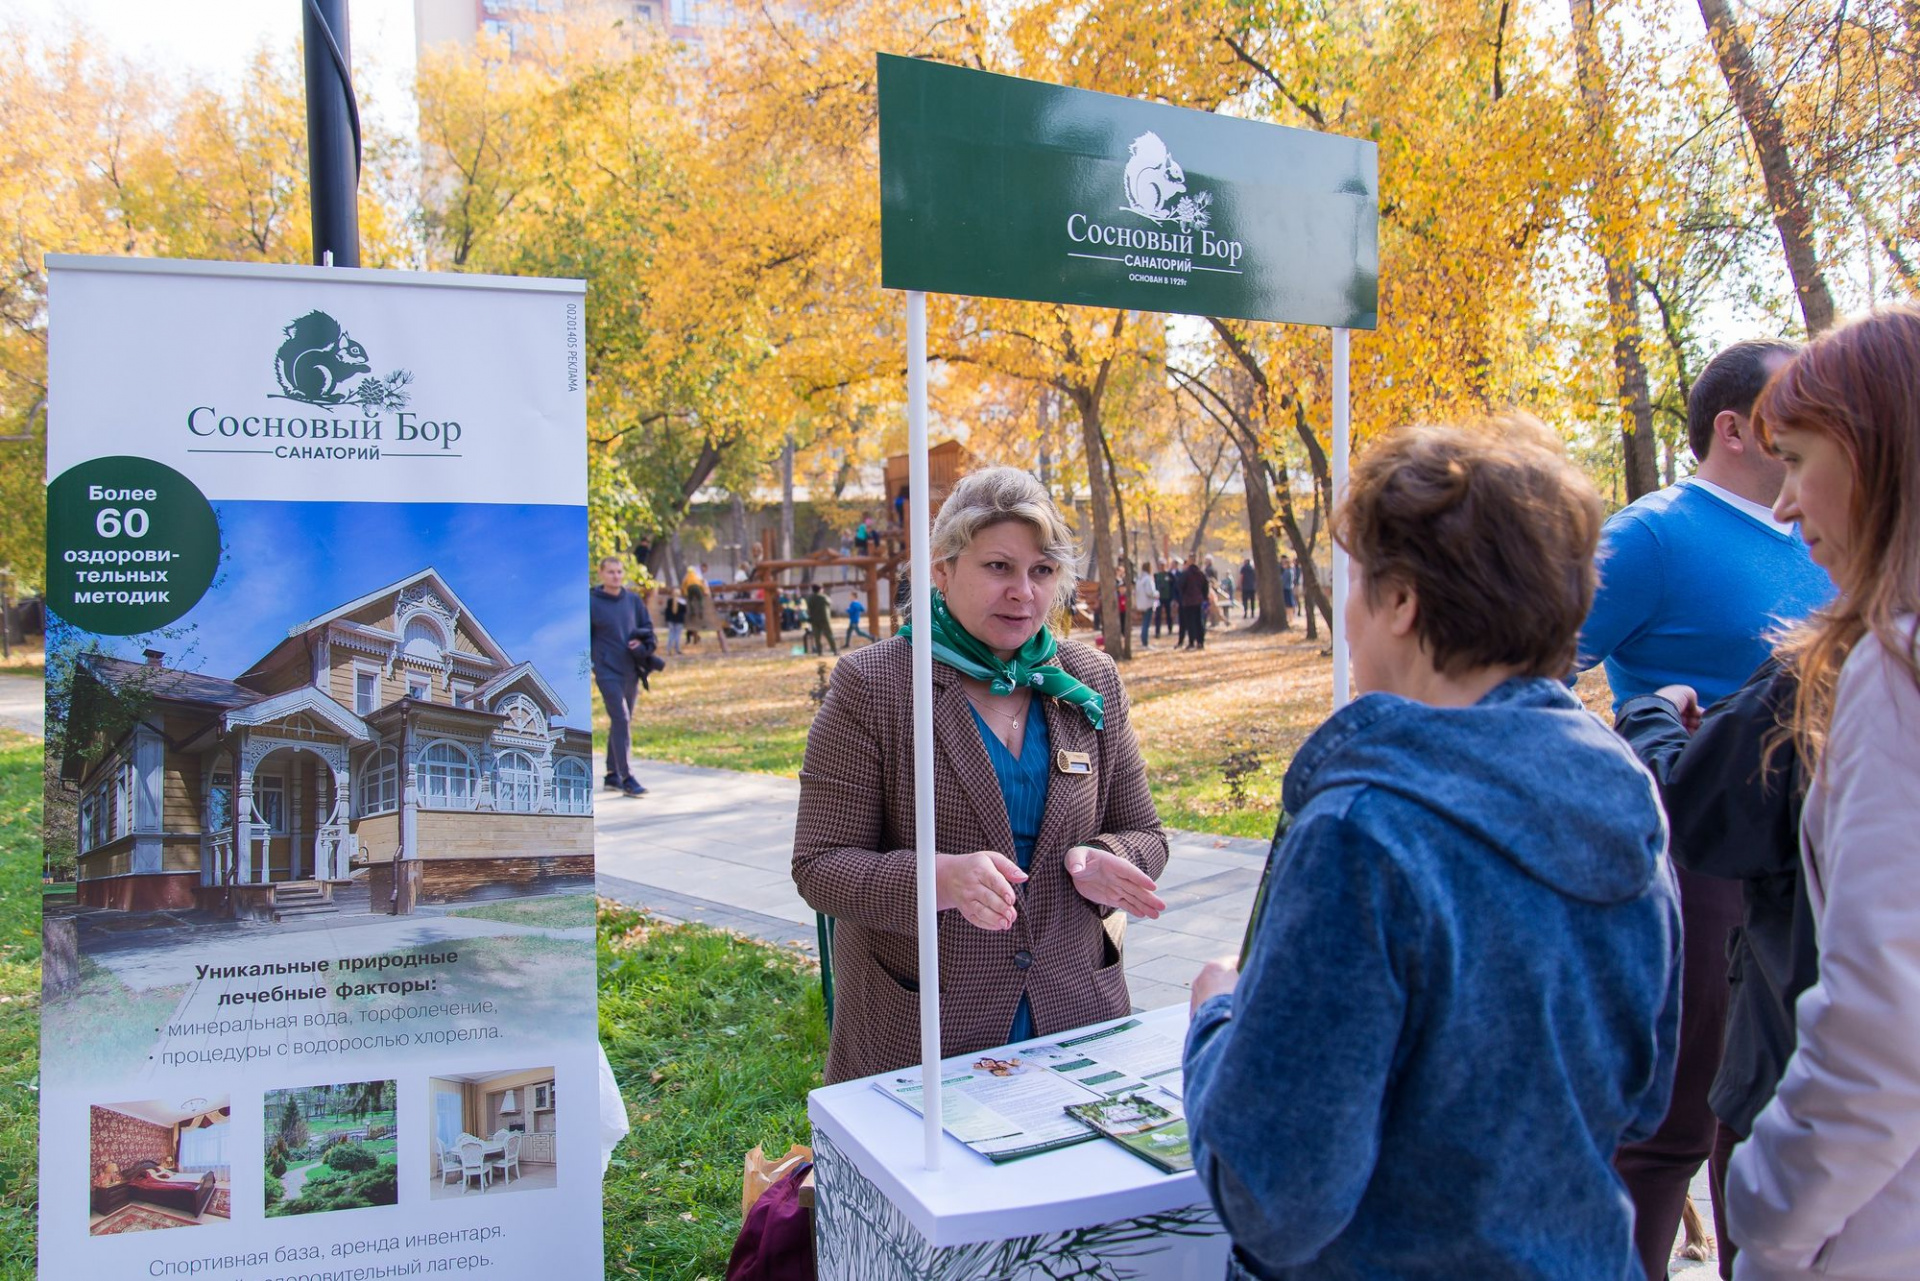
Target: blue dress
(1023, 789)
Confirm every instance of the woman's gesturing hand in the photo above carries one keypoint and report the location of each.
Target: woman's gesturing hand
(980, 885)
(1111, 881)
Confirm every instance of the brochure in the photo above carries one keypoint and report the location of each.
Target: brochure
(1014, 1102)
(1152, 1126)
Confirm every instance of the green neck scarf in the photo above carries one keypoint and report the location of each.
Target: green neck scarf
(1031, 668)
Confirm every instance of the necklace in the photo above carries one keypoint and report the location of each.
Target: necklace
(1012, 718)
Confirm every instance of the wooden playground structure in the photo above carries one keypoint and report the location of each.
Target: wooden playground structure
(884, 562)
(873, 575)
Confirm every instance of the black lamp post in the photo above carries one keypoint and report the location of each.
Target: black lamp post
(333, 134)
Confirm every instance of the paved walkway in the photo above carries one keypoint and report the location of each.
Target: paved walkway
(23, 704)
(715, 846)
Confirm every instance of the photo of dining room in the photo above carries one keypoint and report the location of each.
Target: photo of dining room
(159, 1163)
(493, 1132)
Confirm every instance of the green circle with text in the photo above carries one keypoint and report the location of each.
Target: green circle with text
(131, 545)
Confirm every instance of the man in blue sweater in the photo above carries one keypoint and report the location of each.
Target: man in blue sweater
(1695, 581)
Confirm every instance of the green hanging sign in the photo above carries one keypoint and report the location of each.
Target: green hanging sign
(1007, 188)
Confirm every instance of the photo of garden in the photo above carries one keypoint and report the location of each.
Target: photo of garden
(331, 1147)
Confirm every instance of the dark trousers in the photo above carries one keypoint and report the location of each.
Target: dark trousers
(618, 694)
(1163, 617)
(1193, 627)
(1724, 1141)
(1657, 1169)
(819, 639)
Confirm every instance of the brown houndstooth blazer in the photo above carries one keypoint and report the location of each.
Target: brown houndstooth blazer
(853, 859)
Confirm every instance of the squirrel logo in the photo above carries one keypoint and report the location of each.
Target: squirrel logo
(1153, 178)
(317, 356)
(1156, 186)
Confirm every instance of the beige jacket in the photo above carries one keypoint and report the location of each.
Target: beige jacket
(1829, 1183)
(853, 859)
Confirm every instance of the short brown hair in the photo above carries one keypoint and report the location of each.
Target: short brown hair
(1492, 528)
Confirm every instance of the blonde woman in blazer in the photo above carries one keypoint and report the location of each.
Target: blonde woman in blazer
(1034, 951)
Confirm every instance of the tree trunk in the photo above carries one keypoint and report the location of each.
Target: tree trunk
(786, 500)
(1269, 595)
(1120, 519)
(1638, 449)
(1314, 602)
(1088, 403)
(1269, 592)
(1791, 216)
(59, 956)
(696, 477)
(1317, 462)
(739, 532)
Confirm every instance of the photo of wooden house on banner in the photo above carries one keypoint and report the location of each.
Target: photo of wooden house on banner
(385, 753)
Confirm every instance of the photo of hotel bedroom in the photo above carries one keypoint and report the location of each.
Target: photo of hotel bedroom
(493, 1132)
(159, 1163)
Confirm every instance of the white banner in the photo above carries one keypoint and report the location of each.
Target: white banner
(274, 381)
(323, 994)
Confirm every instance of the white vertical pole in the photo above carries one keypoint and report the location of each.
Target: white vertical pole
(1342, 433)
(918, 511)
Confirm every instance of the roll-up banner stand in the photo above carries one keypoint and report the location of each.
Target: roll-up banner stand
(319, 738)
(998, 187)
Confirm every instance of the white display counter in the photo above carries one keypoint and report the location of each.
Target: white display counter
(1092, 1210)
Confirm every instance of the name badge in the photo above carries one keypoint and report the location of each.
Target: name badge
(1072, 762)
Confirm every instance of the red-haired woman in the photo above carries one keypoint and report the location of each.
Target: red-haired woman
(1829, 1182)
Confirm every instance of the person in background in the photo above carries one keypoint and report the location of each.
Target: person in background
(1732, 791)
(1248, 582)
(1146, 591)
(820, 621)
(1461, 986)
(622, 631)
(1829, 1182)
(1694, 581)
(694, 587)
(1167, 594)
(861, 536)
(856, 609)
(676, 614)
(1034, 732)
(1289, 585)
(1193, 606)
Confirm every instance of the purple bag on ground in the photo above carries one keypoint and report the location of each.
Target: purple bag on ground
(776, 1241)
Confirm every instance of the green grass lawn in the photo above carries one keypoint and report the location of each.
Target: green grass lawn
(546, 911)
(19, 1000)
(715, 1041)
(1254, 697)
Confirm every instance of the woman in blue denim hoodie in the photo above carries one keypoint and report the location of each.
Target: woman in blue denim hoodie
(1461, 988)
